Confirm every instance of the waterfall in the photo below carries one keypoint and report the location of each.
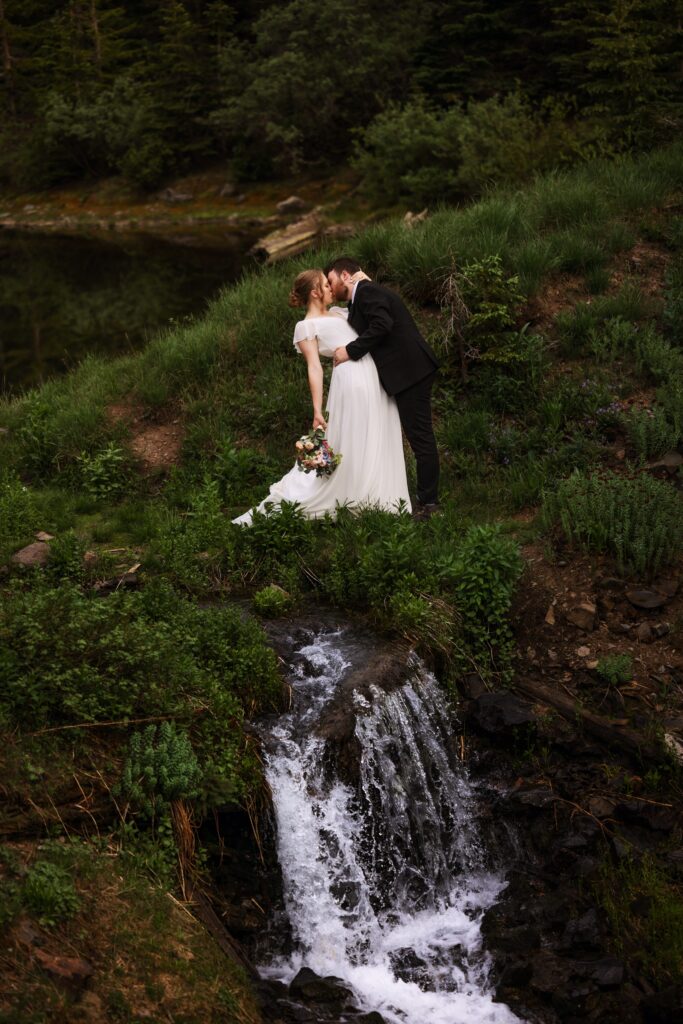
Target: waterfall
(385, 883)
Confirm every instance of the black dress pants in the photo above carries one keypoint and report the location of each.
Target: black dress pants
(415, 410)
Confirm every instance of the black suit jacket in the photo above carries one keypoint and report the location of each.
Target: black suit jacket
(388, 332)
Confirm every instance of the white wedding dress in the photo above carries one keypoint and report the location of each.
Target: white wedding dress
(362, 425)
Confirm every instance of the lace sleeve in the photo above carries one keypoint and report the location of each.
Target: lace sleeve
(304, 331)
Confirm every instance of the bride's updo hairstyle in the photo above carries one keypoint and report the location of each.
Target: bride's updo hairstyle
(304, 284)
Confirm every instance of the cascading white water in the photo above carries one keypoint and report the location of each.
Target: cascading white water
(384, 888)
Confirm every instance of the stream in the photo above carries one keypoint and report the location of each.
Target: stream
(385, 882)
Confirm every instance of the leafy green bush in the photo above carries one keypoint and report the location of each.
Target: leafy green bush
(272, 601)
(410, 152)
(615, 668)
(49, 893)
(103, 473)
(65, 557)
(484, 575)
(637, 522)
(160, 766)
(69, 658)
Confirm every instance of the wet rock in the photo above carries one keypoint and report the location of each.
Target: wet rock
(583, 616)
(311, 986)
(582, 933)
(606, 973)
(515, 974)
(32, 555)
(665, 1007)
(371, 1018)
(496, 713)
(472, 686)
(646, 599)
(293, 204)
(661, 629)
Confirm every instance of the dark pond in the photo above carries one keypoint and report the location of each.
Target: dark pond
(63, 297)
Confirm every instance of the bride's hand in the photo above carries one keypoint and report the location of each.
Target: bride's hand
(319, 421)
(360, 275)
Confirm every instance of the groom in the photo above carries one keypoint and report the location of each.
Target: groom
(405, 364)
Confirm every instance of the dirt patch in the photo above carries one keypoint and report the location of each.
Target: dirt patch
(565, 654)
(156, 445)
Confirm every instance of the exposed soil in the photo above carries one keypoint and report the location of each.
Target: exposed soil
(155, 445)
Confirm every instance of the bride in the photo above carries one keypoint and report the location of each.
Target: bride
(364, 426)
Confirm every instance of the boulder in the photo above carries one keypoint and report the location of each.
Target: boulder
(293, 204)
(311, 986)
(35, 554)
(499, 712)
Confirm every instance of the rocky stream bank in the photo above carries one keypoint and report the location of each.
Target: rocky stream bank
(560, 812)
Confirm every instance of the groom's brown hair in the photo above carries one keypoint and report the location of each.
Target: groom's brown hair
(341, 264)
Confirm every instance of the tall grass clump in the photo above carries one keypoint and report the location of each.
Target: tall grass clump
(637, 522)
(605, 327)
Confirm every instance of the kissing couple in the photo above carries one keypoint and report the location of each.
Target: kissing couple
(382, 381)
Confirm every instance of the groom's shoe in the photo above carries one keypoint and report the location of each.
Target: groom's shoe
(423, 512)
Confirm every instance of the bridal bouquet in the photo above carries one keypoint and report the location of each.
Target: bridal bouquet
(314, 453)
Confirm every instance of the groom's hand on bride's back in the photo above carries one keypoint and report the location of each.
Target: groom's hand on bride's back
(340, 355)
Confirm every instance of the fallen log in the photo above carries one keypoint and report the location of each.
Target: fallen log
(288, 241)
(634, 743)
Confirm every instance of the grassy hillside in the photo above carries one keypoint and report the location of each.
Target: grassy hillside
(558, 312)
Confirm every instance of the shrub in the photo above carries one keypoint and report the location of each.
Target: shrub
(65, 557)
(49, 893)
(673, 298)
(18, 514)
(637, 522)
(272, 601)
(615, 668)
(410, 152)
(103, 473)
(649, 432)
(160, 766)
(656, 357)
(484, 575)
